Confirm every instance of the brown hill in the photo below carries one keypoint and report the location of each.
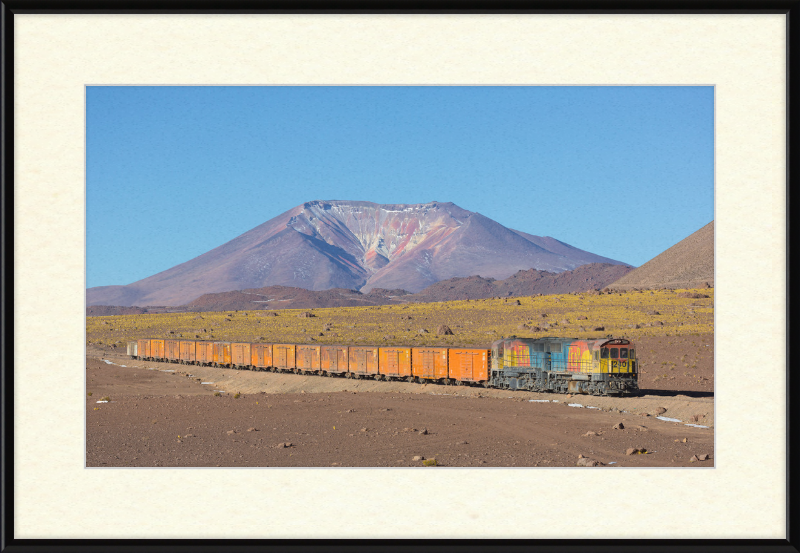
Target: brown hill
(106, 310)
(287, 297)
(687, 264)
(354, 245)
(524, 283)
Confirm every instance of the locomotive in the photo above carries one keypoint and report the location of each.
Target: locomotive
(606, 366)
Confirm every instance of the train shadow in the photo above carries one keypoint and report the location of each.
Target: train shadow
(675, 393)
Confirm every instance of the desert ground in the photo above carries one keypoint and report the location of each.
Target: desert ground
(150, 414)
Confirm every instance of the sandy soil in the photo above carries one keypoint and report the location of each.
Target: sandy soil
(158, 418)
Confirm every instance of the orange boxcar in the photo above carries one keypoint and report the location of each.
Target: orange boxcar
(394, 362)
(157, 349)
(261, 355)
(469, 365)
(308, 358)
(429, 363)
(333, 359)
(204, 353)
(172, 350)
(143, 349)
(240, 354)
(188, 351)
(283, 356)
(221, 353)
(363, 360)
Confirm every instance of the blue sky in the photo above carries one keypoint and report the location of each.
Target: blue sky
(172, 172)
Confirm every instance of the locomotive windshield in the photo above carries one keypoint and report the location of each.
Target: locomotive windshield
(614, 353)
(623, 353)
(604, 353)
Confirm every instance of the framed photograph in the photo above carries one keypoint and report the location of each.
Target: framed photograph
(113, 84)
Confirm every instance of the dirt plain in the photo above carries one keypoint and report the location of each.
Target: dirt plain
(163, 415)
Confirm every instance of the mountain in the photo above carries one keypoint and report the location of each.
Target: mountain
(354, 245)
(687, 264)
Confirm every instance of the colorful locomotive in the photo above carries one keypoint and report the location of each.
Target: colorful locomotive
(605, 366)
(563, 365)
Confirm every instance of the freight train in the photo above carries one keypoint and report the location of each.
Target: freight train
(606, 366)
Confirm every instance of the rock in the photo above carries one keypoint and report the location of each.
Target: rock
(306, 314)
(590, 433)
(586, 462)
(231, 431)
(580, 456)
(363, 430)
(284, 445)
(632, 451)
(389, 337)
(349, 410)
(599, 328)
(444, 330)
(582, 317)
(703, 457)
(423, 431)
(251, 429)
(418, 458)
(660, 410)
(422, 331)
(653, 313)
(536, 329)
(693, 459)
(619, 426)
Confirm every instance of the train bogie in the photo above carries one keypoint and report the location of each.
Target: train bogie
(429, 363)
(394, 363)
(333, 359)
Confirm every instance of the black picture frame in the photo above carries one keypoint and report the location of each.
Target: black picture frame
(9, 8)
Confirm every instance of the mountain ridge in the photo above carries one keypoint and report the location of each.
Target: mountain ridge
(358, 245)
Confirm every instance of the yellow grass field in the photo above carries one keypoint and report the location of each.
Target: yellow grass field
(474, 323)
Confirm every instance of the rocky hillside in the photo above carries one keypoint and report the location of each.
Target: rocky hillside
(687, 264)
(523, 283)
(354, 246)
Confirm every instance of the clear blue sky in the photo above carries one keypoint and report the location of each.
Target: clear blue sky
(172, 172)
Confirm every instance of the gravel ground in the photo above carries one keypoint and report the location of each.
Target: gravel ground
(158, 418)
